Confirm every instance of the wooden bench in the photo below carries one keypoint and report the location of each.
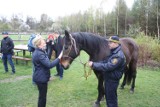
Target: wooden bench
(17, 51)
(20, 58)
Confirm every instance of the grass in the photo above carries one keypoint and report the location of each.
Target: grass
(74, 90)
(25, 38)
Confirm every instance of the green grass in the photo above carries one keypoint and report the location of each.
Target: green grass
(23, 37)
(74, 90)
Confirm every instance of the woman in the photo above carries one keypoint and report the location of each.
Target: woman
(42, 66)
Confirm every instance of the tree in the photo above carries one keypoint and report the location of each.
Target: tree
(24, 27)
(45, 23)
(4, 24)
(158, 19)
(16, 21)
(31, 22)
(120, 10)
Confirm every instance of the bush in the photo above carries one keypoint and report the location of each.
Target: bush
(149, 48)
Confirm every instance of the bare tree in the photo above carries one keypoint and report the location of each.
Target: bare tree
(118, 17)
(16, 21)
(157, 20)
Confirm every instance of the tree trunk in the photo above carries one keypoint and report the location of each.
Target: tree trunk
(118, 17)
(157, 23)
(125, 23)
(147, 18)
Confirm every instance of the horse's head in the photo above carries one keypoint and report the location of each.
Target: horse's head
(70, 50)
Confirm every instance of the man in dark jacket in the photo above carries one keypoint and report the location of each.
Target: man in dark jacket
(58, 48)
(113, 68)
(7, 46)
(42, 66)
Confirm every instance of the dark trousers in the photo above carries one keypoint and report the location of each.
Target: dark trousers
(8, 57)
(59, 69)
(42, 87)
(111, 93)
(49, 51)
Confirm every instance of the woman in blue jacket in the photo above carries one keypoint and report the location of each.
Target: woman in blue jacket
(42, 66)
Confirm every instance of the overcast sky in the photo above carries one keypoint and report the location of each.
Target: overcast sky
(52, 8)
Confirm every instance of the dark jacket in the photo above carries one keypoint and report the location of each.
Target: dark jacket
(58, 45)
(7, 46)
(42, 66)
(113, 66)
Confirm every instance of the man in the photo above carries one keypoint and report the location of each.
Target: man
(113, 68)
(50, 45)
(7, 46)
(58, 48)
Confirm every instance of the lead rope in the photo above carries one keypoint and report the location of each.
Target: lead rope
(86, 74)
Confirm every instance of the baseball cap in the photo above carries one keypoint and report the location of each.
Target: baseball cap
(4, 33)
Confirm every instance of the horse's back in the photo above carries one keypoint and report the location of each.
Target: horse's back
(130, 49)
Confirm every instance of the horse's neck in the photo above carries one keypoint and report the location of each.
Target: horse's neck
(87, 48)
(92, 51)
(96, 48)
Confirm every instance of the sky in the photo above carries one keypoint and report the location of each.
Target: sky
(53, 8)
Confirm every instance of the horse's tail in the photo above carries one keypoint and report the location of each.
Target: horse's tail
(131, 72)
(129, 77)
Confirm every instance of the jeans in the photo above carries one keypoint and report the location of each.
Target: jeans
(42, 87)
(59, 69)
(8, 57)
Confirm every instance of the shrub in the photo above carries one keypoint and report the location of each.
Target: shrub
(149, 48)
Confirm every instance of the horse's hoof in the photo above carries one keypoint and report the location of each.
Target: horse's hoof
(96, 104)
(131, 91)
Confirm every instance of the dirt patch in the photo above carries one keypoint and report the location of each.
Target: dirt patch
(15, 79)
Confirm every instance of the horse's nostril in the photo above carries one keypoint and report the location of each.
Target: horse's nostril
(65, 67)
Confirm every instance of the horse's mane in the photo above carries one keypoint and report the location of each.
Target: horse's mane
(91, 43)
(90, 39)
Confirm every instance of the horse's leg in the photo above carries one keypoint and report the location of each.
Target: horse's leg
(100, 90)
(125, 78)
(134, 73)
(49, 51)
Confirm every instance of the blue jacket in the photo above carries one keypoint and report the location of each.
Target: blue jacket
(42, 66)
(113, 66)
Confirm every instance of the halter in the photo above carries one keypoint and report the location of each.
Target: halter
(73, 43)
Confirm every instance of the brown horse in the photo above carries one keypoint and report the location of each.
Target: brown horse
(97, 48)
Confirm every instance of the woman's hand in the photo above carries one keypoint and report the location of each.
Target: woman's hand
(60, 55)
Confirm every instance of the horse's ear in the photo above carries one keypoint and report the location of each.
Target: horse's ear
(67, 34)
